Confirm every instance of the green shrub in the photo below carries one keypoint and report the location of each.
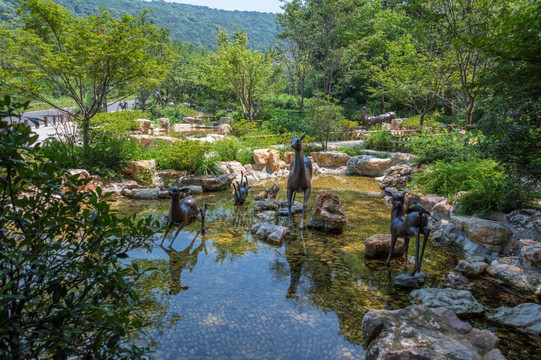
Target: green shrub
(64, 154)
(447, 146)
(118, 123)
(380, 140)
(325, 121)
(227, 149)
(245, 156)
(282, 101)
(284, 122)
(107, 154)
(448, 178)
(175, 114)
(413, 122)
(65, 293)
(187, 155)
(221, 113)
(242, 127)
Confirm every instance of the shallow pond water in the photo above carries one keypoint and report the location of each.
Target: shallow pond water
(228, 295)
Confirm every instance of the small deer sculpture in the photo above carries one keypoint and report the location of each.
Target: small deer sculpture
(300, 177)
(241, 190)
(181, 212)
(408, 226)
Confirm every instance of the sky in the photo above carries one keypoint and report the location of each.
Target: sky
(241, 5)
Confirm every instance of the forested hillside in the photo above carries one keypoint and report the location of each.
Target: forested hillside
(186, 22)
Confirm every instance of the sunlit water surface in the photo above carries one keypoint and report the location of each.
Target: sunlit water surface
(228, 295)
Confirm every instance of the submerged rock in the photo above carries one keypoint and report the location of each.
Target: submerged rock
(264, 205)
(418, 332)
(327, 213)
(526, 317)
(296, 208)
(209, 183)
(406, 281)
(270, 232)
(461, 302)
(378, 247)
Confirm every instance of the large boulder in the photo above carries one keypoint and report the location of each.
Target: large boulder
(396, 124)
(270, 232)
(289, 156)
(365, 165)
(267, 157)
(471, 269)
(141, 170)
(418, 332)
(512, 271)
(164, 123)
(461, 302)
(232, 167)
(449, 237)
(526, 317)
(396, 176)
(145, 126)
(265, 205)
(224, 129)
(490, 234)
(183, 127)
(378, 247)
(330, 158)
(145, 194)
(209, 183)
(327, 213)
(525, 219)
(402, 159)
(225, 119)
(530, 250)
(192, 120)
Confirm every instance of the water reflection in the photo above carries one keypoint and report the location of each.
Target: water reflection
(180, 260)
(295, 253)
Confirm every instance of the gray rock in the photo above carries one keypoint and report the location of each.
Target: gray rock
(461, 302)
(530, 250)
(193, 189)
(396, 176)
(266, 215)
(264, 205)
(406, 281)
(327, 214)
(365, 165)
(330, 158)
(456, 280)
(143, 194)
(418, 332)
(471, 269)
(270, 232)
(490, 234)
(378, 247)
(454, 241)
(526, 317)
(525, 219)
(296, 208)
(512, 271)
(209, 183)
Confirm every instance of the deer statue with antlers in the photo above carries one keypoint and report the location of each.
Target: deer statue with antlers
(241, 190)
(412, 225)
(300, 177)
(181, 212)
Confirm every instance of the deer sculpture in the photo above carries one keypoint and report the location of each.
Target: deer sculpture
(241, 190)
(412, 225)
(181, 212)
(369, 121)
(300, 177)
(161, 100)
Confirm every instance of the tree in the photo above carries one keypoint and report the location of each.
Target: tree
(86, 59)
(63, 291)
(246, 73)
(185, 74)
(324, 119)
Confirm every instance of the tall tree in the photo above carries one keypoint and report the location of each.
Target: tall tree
(185, 74)
(234, 68)
(84, 58)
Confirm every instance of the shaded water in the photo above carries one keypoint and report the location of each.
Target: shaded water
(228, 295)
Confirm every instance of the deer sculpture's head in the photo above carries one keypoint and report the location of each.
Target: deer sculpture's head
(398, 198)
(296, 142)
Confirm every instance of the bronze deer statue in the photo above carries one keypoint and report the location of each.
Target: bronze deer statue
(182, 212)
(408, 226)
(241, 190)
(300, 177)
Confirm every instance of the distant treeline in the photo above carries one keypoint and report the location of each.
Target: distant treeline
(186, 22)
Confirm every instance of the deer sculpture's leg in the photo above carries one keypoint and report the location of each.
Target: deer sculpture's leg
(180, 226)
(290, 197)
(417, 246)
(406, 244)
(426, 233)
(306, 196)
(166, 232)
(393, 242)
(203, 216)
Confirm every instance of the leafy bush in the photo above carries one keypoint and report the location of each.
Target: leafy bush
(380, 140)
(108, 154)
(282, 101)
(64, 154)
(284, 122)
(227, 149)
(413, 122)
(324, 119)
(242, 127)
(175, 114)
(118, 123)
(447, 146)
(245, 156)
(64, 293)
(187, 155)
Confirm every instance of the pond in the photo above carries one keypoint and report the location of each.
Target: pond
(228, 295)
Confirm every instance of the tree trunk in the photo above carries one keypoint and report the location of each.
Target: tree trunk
(421, 120)
(86, 137)
(382, 106)
(448, 105)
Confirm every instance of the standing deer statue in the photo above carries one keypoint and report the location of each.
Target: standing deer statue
(408, 226)
(182, 212)
(300, 177)
(241, 190)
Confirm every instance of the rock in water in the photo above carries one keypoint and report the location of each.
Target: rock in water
(378, 247)
(417, 332)
(406, 281)
(525, 317)
(327, 214)
(461, 302)
(274, 234)
(209, 183)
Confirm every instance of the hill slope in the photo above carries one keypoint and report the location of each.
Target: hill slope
(186, 22)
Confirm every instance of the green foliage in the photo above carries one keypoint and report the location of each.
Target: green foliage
(282, 101)
(175, 114)
(447, 146)
(284, 122)
(63, 154)
(65, 293)
(227, 149)
(324, 119)
(380, 140)
(187, 155)
(414, 122)
(118, 123)
(242, 127)
(107, 154)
